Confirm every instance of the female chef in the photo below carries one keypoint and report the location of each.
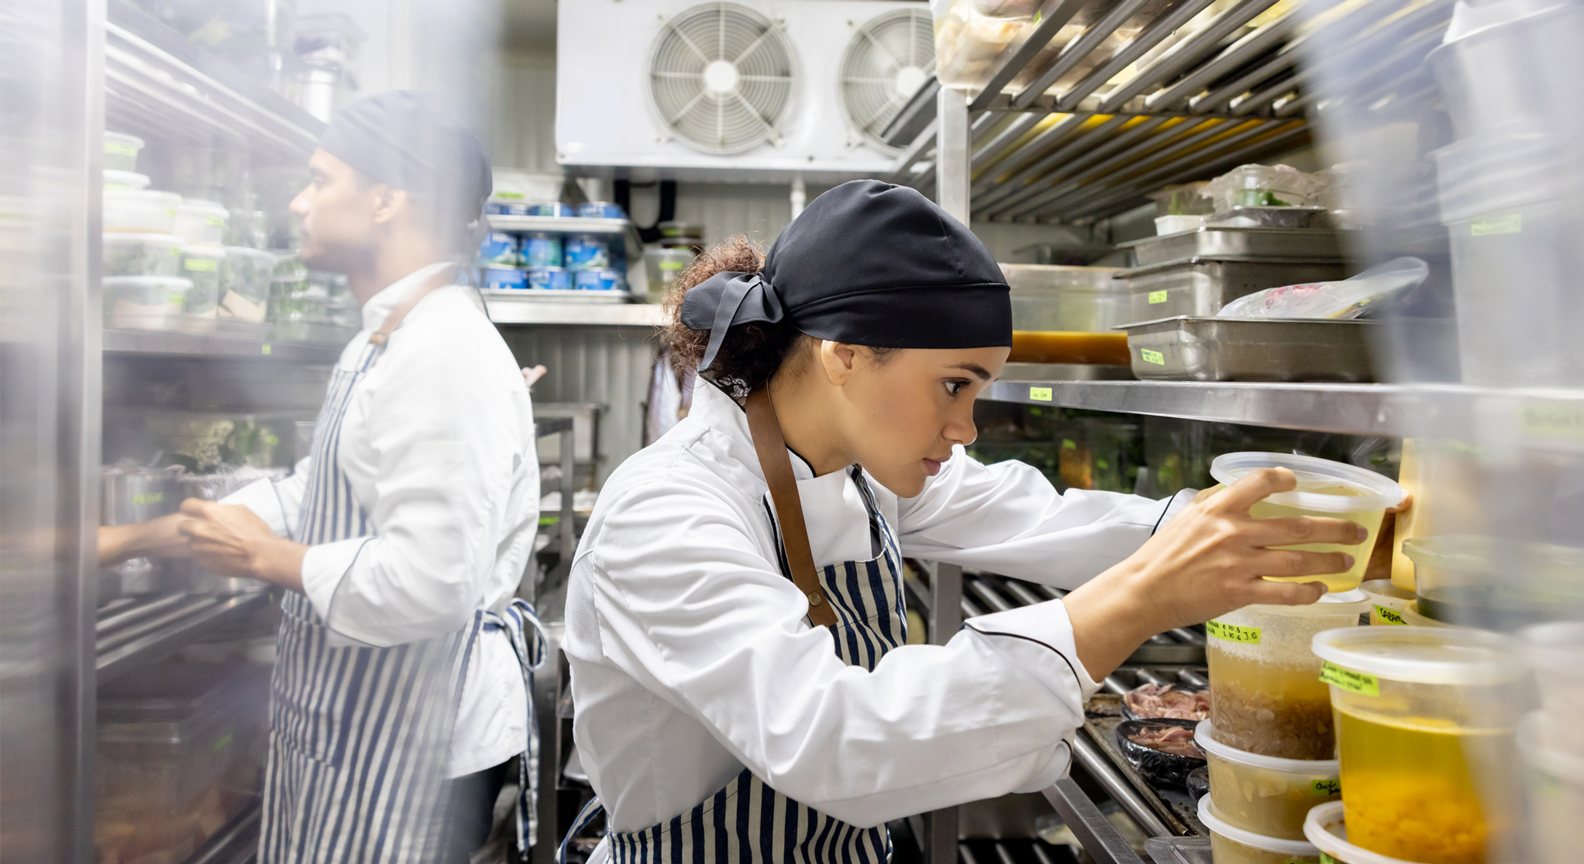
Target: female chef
(735, 625)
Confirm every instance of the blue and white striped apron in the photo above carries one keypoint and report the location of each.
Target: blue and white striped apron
(748, 822)
(360, 736)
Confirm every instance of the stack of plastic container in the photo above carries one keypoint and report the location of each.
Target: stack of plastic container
(554, 260)
(1551, 741)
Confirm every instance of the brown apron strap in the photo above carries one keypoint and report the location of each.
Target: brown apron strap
(772, 450)
(394, 319)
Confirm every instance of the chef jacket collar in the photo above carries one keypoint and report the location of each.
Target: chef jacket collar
(379, 307)
(718, 411)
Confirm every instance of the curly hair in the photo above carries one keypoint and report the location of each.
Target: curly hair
(750, 353)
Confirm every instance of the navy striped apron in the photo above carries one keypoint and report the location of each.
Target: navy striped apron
(360, 736)
(748, 822)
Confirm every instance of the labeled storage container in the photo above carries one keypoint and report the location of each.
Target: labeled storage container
(1201, 286)
(141, 254)
(140, 211)
(504, 278)
(1425, 726)
(1326, 489)
(665, 266)
(586, 251)
(549, 279)
(552, 209)
(125, 180)
(121, 151)
(201, 222)
(1233, 845)
(600, 210)
(1265, 186)
(1266, 795)
(1047, 297)
(145, 302)
(1556, 655)
(1194, 348)
(201, 265)
(1266, 696)
(1496, 583)
(1326, 828)
(499, 249)
(1554, 780)
(1387, 601)
(541, 250)
(245, 284)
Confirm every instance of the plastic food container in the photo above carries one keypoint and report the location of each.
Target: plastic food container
(541, 250)
(499, 249)
(665, 266)
(604, 279)
(1556, 654)
(1264, 186)
(1325, 488)
(1177, 224)
(1070, 299)
(1554, 778)
(1233, 845)
(201, 221)
(145, 302)
(245, 284)
(1425, 723)
(1387, 601)
(587, 251)
(202, 265)
(140, 211)
(125, 180)
(1263, 794)
(1495, 583)
(1266, 696)
(1326, 829)
(553, 209)
(141, 254)
(550, 279)
(504, 278)
(121, 151)
(600, 210)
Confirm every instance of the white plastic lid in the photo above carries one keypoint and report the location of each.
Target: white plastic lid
(1249, 838)
(200, 204)
(117, 238)
(1533, 737)
(1385, 588)
(1204, 736)
(149, 195)
(1325, 829)
(125, 180)
(123, 138)
(1375, 492)
(175, 282)
(248, 251)
(1331, 603)
(1421, 655)
(204, 250)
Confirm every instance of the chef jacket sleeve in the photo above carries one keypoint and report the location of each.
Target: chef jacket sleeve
(443, 435)
(276, 502)
(716, 630)
(1007, 518)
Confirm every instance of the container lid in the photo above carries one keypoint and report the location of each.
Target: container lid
(1480, 554)
(200, 204)
(148, 195)
(148, 282)
(1372, 491)
(124, 138)
(127, 238)
(125, 180)
(1042, 279)
(543, 269)
(1208, 816)
(1204, 736)
(1385, 588)
(1421, 655)
(204, 250)
(249, 252)
(1556, 648)
(1333, 603)
(1325, 829)
(1534, 737)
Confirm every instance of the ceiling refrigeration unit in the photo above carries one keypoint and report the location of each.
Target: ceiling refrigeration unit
(753, 91)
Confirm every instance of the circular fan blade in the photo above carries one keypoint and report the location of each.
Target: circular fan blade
(885, 63)
(721, 76)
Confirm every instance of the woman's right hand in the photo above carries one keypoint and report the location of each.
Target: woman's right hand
(1208, 560)
(156, 538)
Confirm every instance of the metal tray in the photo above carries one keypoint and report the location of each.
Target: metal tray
(1172, 805)
(1201, 286)
(1187, 348)
(1238, 244)
(1265, 217)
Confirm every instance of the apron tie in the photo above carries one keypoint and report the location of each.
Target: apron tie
(516, 621)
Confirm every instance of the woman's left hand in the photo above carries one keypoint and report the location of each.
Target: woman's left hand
(229, 540)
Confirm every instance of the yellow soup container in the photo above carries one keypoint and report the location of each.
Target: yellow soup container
(1325, 488)
(1387, 601)
(1425, 733)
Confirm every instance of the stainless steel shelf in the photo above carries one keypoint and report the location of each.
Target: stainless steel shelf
(559, 225)
(505, 309)
(258, 344)
(131, 634)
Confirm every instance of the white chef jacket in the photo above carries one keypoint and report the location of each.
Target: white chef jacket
(690, 659)
(438, 444)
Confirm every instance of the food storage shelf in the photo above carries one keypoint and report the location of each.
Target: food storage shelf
(256, 343)
(512, 307)
(131, 632)
(558, 224)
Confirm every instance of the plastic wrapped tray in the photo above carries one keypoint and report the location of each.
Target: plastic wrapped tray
(1199, 286)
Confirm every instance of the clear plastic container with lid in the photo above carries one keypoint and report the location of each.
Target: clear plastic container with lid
(1327, 830)
(1387, 601)
(1555, 784)
(1425, 721)
(121, 151)
(1495, 583)
(1264, 794)
(140, 211)
(1556, 655)
(1266, 696)
(202, 265)
(201, 221)
(1232, 845)
(1327, 489)
(145, 302)
(125, 180)
(245, 284)
(127, 254)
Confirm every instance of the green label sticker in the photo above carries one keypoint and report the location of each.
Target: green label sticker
(1324, 788)
(1069, 444)
(170, 211)
(1347, 679)
(510, 196)
(272, 440)
(1553, 422)
(222, 742)
(1040, 394)
(148, 498)
(1390, 616)
(1038, 17)
(117, 148)
(215, 221)
(1327, 859)
(175, 251)
(264, 349)
(202, 265)
(1155, 357)
(1507, 223)
(672, 265)
(178, 299)
(1157, 297)
(1233, 633)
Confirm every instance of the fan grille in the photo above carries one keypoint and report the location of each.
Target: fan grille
(721, 77)
(885, 63)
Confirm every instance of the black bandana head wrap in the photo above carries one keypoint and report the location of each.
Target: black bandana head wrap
(410, 141)
(867, 263)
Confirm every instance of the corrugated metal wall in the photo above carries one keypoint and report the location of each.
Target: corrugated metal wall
(522, 131)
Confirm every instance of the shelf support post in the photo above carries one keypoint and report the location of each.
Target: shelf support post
(951, 153)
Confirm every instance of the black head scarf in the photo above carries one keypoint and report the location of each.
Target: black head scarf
(867, 263)
(410, 141)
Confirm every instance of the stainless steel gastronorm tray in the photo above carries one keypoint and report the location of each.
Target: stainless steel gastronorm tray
(1238, 243)
(1201, 286)
(1189, 348)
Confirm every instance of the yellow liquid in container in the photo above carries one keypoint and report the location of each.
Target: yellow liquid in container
(1407, 788)
(1370, 519)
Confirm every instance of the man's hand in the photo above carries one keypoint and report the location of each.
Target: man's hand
(233, 541)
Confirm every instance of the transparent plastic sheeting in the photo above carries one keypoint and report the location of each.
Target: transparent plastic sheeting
(1456, 129)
